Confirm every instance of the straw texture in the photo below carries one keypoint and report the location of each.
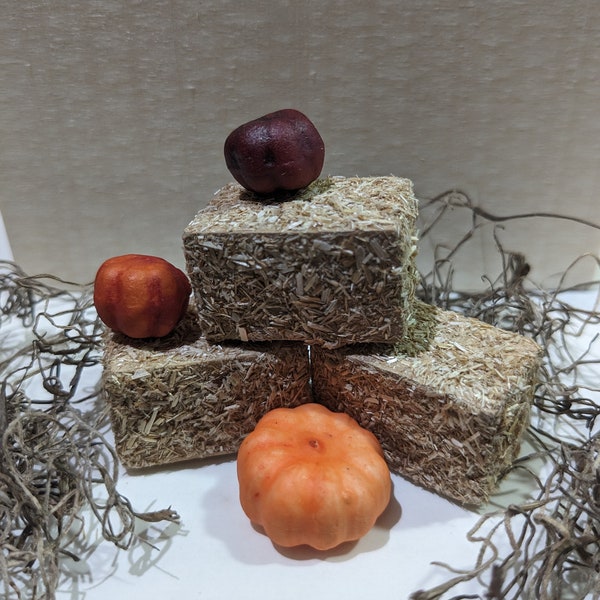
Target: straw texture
(181, 397)
(333, 265)
(450, 416)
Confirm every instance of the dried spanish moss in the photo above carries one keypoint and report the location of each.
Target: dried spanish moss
(547, 546)
(54, 457)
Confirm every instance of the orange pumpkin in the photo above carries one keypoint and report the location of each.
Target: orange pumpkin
(141, 296)
(311, 476)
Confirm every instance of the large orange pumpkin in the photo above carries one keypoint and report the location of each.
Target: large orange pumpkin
(140, 295)
(311, 476)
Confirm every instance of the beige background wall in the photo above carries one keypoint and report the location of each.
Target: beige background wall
(113, 113)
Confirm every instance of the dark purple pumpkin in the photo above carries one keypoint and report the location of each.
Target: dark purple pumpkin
(278, 152)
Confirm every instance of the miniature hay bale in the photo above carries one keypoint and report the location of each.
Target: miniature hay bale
(333, 265)
(180, 397)
(449, 417)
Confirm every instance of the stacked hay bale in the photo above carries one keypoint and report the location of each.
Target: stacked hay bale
(313, 299)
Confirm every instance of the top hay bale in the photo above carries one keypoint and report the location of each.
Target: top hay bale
(332, 265)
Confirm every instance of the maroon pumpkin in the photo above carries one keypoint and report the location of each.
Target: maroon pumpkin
(278, 152)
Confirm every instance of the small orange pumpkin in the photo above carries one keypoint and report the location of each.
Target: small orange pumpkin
(311, 476)
(141, 296)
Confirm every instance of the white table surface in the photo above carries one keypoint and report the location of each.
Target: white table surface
(216, 554)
